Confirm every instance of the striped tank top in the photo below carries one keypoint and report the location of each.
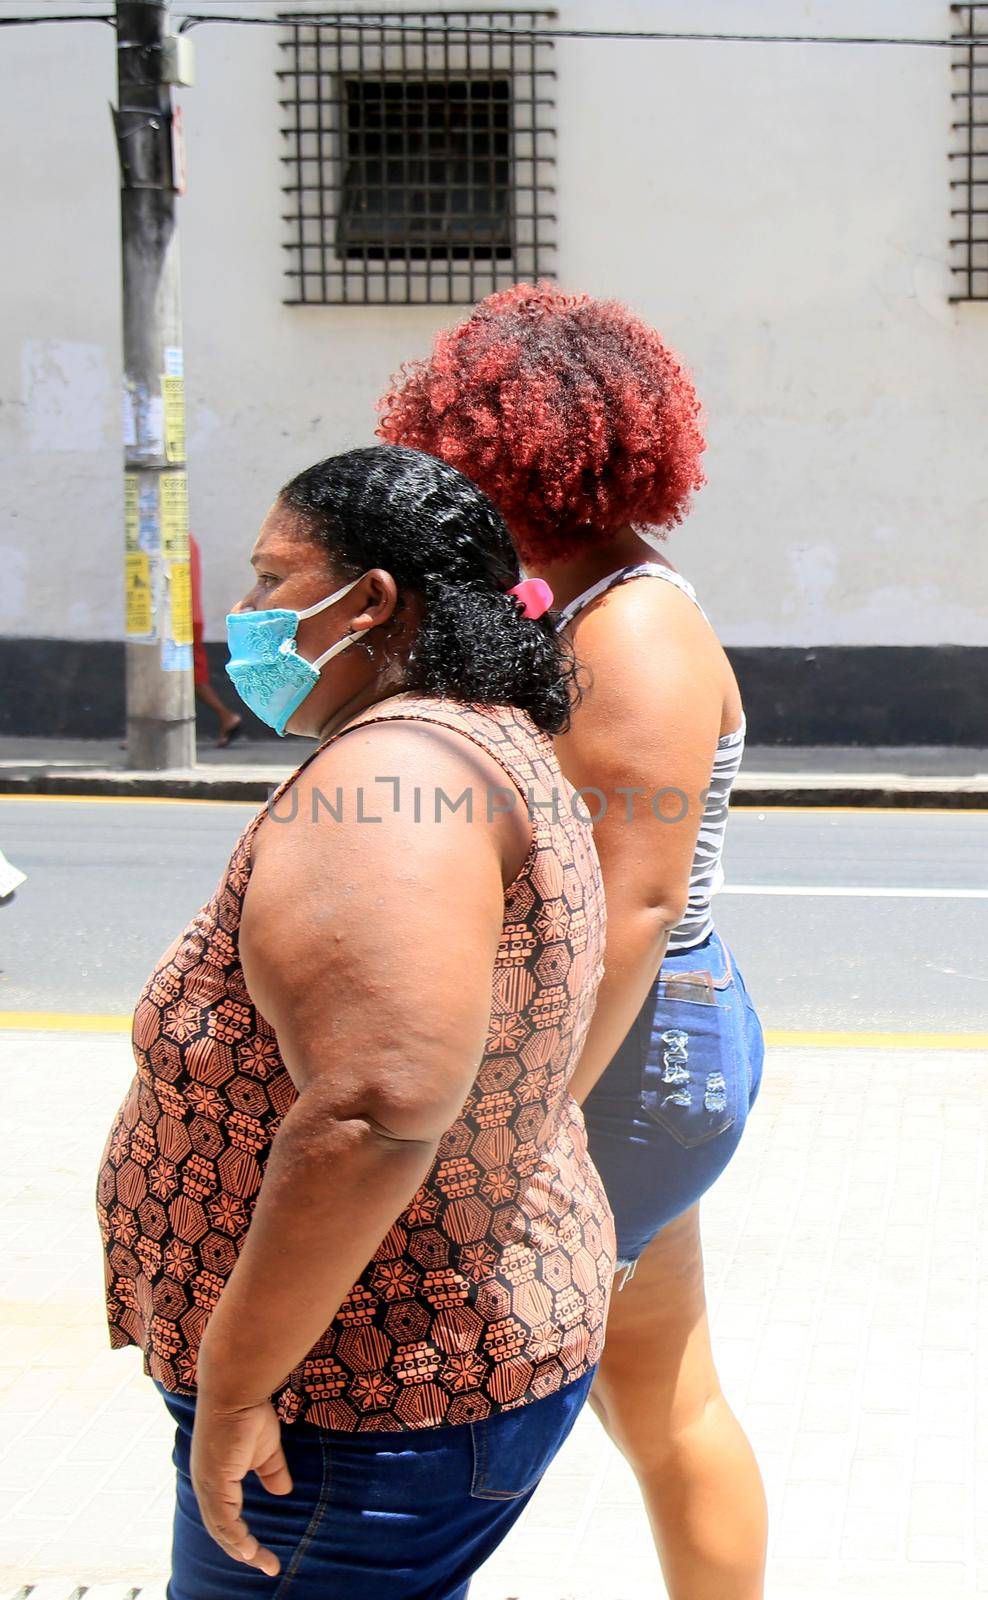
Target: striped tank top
(707, 869)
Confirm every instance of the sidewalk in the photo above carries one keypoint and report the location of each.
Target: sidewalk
(927, 776)
(846, 1257)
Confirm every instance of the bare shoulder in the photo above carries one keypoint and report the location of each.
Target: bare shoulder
(645, 642)
(658, 692)
(404, 788)
(645, 603)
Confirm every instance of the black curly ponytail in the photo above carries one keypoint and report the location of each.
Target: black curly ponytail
(440, 537)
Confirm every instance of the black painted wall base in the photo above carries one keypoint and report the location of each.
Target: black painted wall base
(830, 694)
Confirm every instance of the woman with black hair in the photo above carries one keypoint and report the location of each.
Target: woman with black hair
(347, 1205)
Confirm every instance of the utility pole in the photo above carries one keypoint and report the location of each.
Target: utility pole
(160, 696)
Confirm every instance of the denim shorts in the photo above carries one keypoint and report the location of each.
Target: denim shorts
(375, 1516)
(668, 1113)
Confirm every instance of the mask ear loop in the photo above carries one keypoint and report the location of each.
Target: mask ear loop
(320, 605)
(348, 638)
(335, 649)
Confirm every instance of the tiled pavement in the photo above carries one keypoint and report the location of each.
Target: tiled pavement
(850, 1306)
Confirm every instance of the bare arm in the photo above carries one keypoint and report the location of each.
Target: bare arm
(369, 947)
(648, 727)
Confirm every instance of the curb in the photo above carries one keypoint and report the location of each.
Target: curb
(900, 794)
(140, 785)
(827, 790)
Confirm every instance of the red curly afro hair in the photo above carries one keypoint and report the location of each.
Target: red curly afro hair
(569, 412)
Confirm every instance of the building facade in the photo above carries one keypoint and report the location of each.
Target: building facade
(781, 211)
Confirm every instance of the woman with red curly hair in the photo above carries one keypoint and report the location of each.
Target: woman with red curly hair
(584, 429)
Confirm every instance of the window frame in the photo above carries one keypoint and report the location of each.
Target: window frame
(327, 58)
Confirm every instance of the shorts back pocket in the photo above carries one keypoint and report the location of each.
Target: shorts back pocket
(512, 1449)
(689, 1076)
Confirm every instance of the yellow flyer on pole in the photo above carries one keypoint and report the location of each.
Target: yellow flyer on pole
(173, 499)
(138, 614)
(173, 399)
(180, 602)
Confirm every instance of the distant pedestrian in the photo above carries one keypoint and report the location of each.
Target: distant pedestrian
(231, 722)
(584, 430)
(11, 878)
(348, 1211)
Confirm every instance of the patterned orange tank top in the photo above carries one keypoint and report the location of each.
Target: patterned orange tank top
(491, 1289)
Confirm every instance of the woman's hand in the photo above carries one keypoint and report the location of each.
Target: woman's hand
(227, 1443)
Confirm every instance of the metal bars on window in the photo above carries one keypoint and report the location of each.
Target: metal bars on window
(969, 156)
(420, 164)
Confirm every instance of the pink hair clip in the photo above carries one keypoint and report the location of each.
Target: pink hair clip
(534, 596)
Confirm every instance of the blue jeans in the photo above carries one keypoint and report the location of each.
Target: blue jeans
(668, 1113)
(375, 1516)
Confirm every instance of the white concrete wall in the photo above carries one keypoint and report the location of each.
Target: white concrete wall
(781, 212)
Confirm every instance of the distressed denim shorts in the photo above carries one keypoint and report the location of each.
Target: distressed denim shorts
(668, 1114)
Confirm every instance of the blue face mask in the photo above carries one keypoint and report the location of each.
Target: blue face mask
(265, 667)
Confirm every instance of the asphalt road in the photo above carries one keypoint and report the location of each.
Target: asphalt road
(110, 884)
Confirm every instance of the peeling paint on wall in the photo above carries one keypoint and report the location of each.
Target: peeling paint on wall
(65, 387)
(13, 590)
(814, 574)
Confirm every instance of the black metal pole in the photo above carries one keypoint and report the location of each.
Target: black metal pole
(160, 699)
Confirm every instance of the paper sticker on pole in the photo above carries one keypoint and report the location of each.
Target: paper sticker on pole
(148, 529)
(138, 609)
(180, 602)
(173, 400)
(175, 657)
(132, 511)
(173, 496)
(143, 423)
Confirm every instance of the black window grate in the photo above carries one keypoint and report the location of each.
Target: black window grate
(969, 157)
(421, 163)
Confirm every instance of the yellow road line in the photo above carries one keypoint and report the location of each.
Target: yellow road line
(777, 1038)
(855, 811)
(782, 1038)
(65, 1021)
(122, 800)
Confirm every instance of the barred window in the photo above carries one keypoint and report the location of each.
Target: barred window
(420, 159)
(969, 156)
